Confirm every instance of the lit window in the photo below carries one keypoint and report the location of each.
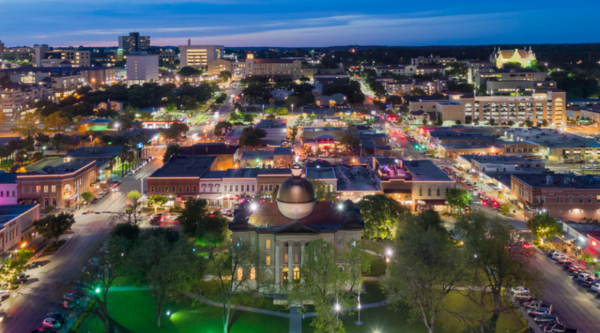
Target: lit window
(268, 244)
(268, 261)
(296, 274)
(252, 274)
(240, 274)
(286, 272)
(285, 258)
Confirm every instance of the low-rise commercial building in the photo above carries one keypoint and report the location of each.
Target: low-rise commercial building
(500, 163)
(227, 155)
(556, 145)
(216, 66)
(15, 225)
(51, 182)
(564, 196)
(180, 176)
(8, 189)
(408, 70)
(431, 60)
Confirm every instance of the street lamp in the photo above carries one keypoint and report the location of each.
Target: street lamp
(337, 311)
(292, 109)
(358, 322)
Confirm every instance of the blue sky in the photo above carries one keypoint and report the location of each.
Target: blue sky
(298, 23)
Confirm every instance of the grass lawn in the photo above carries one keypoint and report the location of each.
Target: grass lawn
(376, 246)
(134, 312)
(374, 293)
(384, 319)
(377, 268)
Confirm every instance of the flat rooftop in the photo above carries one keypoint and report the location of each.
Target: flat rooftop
(95, 152)
(425, 170)
(320, 173)
(355, 179)
(258, 154)
(559, 180)
(185, 166)
(54, 166)
(10, 212)
(216, 148)
(500, 159)
(551, 138)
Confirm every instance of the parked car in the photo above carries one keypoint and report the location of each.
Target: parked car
(523, 297)
(588, 282)
(564, 259)
(583, 275)
(551, 252)
(595, 287)
(556, 255)
(35, 264)
(72, 298)
(574, 268)
(58, 316)
(537, 304)
(568, 264)
(545, 318)
(44, 330)
(227, 212)
(95, 201)
(519, 290)
(538, 312)
(558, 328)
(51, 322)
(21, 278)
(547, 327)
(4, 294)
(155, 218)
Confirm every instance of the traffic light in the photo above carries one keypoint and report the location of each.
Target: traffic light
(484, 202)
(417, 147)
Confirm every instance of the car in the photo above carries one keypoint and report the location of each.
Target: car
(551, 252)
(523, 297)
(519, 290)
(556, 255)
(72, 298)
(4, 294)
(155, 218)
(573, 268)
(35, 264)
(21, 278)
(545, 318)
(558, 328)
(227, 212)
(95, 201)
(51, 322)
(538, 312)
(568, 264)
(68, 305)
(595, 287)
(588, 282)
(564, 259)
(547, 327)
(58, 316)
(537, 304)
(583, 275)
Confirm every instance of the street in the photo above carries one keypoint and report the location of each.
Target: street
(27, 307)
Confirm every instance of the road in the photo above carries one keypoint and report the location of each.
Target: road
(574, 305)
(27, 307)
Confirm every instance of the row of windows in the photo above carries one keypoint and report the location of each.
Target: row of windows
(429, 192)
(561, 199)
(187, 189)
(8, 194)
(38, 189)
(12, 234)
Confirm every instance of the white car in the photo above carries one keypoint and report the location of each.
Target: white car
(563, 259)
(51, 322)
(583, 275)
(519, 290)
(596, 287)
(538, 312)
(556, 255)
(4, 294)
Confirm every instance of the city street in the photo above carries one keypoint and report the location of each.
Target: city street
(26, 308)
(574, 305)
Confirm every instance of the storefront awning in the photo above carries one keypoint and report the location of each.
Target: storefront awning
(432, 202)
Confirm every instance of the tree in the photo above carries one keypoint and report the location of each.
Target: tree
(27, 126)
(545, 123)
(222, 127)
(425, 268)
(52, 227)
(323, 284)
(528, 123)
(42, 138)
(97, 278)
(189, 219)
(189, 71)
(172, 149)
(87, 196)
(57, 120)
(126, 230)
(323, 190)
(417, 92)
(251, 136)
(512, 65)
(231, 265)
(166, 266)
(457, 122)
(176, 131)
(544, 226)
(349, 140)
(157, 201)
(132, 214)
(502, 266)
(380, 214)
(458, 198)
(224, 76)
(58, 139)
(248, 117)
(511, 123)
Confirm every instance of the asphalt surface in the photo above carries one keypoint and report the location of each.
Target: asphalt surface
(576, 306)
(27, 307)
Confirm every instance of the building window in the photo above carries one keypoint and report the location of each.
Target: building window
(438, 192)
(296, 274)
(152, 189)
(53, 202)
(570, 199)
(180, 189)
(53, 189)
(159, 189)
(268, 244)
(187, 188)
(268, 260)
(173, 189)
(194, 189)
(45, 188)
(420, 191)
(296, 258)
(340, 241)
(428, 192)
(14, 195)
(236, 188)
(589, 199)
(286, 272)
(285, 258)
(247, 188)
(581, 199)
(252, 273)
(240, 274)
(253, 188)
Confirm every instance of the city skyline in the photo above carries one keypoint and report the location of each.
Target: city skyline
(292, 23)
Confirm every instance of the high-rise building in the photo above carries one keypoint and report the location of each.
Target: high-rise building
(1, 47)
(44, 57)
(142, 67)
(199, 55)
(134, 42)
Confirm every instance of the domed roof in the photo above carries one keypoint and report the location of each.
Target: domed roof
(296, 198)
(296, 189)
(240, 221)
(352, 221)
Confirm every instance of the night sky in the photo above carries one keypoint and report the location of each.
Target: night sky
(299, 23)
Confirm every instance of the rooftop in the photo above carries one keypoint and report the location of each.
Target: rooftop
(217, 148)
(185, 166)
(54, 167)
(323, 216)
(258, 154)
(8, 178)
(95, 152)
(500, 158)
(425, 170)
(355, 179)
(10, 212)
(551, 138)
(537, 180)
(320, 173)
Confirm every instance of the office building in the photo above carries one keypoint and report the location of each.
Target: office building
(44, 56)
(276, 68)
(431, 60)
(546, 105)
(500, 57)
(17, 98)
(216, 66)
(199, 55)
(134, 43)
(168, 55)
(142, 68)
(480, 77)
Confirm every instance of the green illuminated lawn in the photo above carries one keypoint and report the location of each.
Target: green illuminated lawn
(134, 312)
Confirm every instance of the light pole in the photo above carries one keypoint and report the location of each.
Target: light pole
(337, 312)
(292, 109)
(358, 322)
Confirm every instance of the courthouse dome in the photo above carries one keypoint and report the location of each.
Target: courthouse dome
(296, 197)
